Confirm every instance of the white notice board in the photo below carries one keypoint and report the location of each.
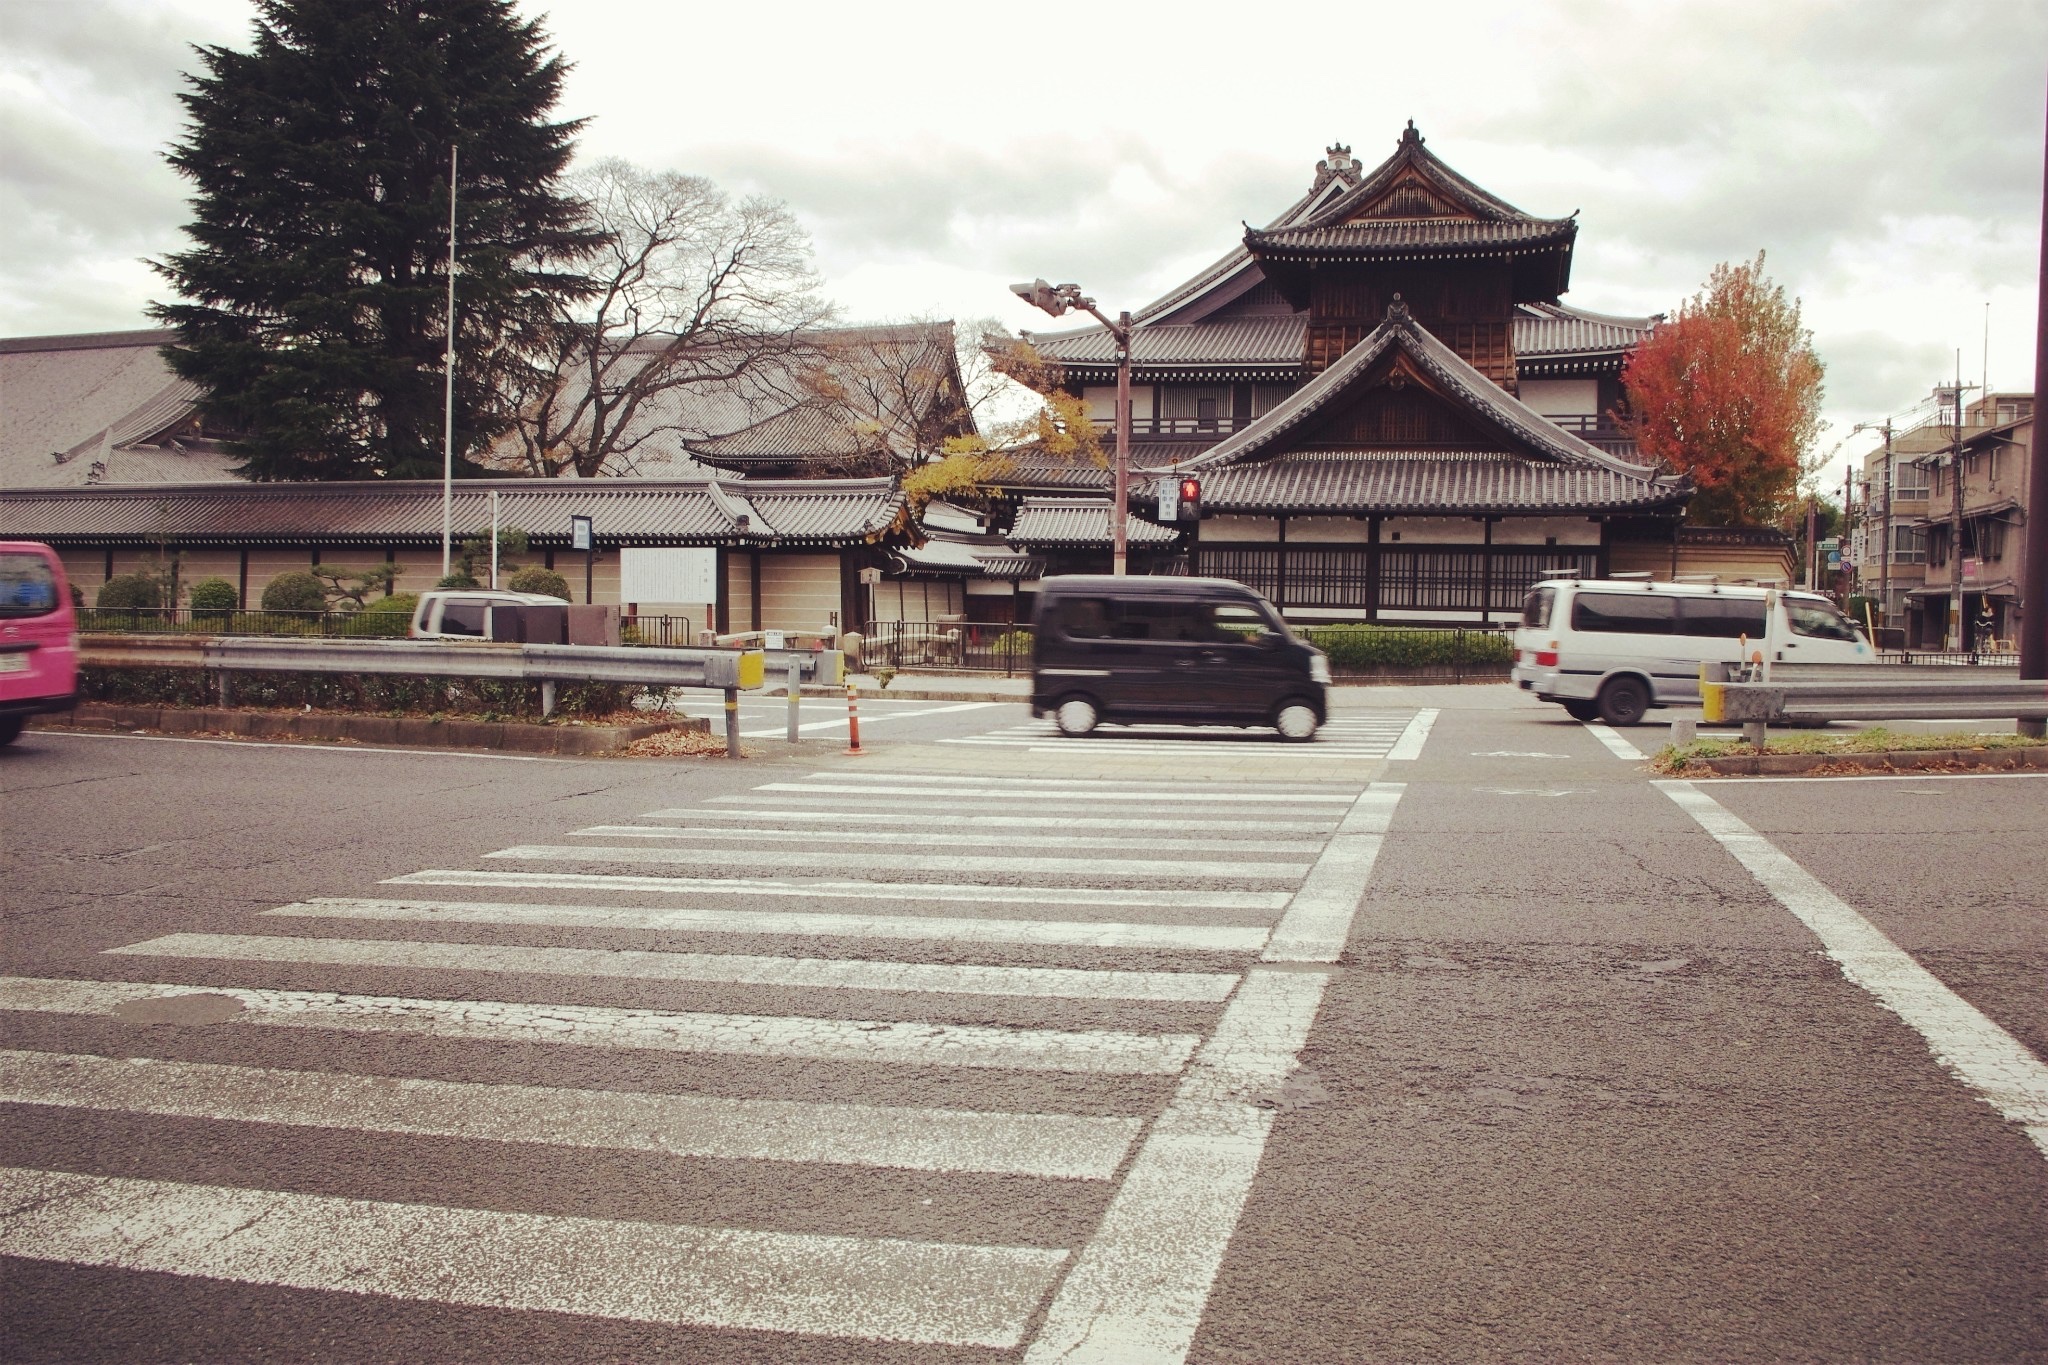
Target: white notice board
(688, 577)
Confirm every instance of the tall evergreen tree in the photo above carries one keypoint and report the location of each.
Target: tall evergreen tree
(313, 297)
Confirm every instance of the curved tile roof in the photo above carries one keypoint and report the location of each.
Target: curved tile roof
(1427, 482)
(1375, 237)
(646, 512)
(1547, 329)
(1079, 522)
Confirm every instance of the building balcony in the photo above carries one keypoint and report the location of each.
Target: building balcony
(1167, 428)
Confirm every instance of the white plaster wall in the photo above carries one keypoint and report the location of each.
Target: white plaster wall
(1101, 401)
(1432, 531)
(798, 592)
(1538, 530)
(1562, 397)
(1324, 531)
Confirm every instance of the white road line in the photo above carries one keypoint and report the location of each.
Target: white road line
(977, 782)
(913, 838)
(317, 746)
(840, 723)
(837, 860)
(1318, 920)
(640, 1272)
(1197, 938)
(1965, 1043)
(1251, 826)
(1136, 1292)
(719, 968)
(878, 891)
(1409, 746)
(1616, 745)
(1314, 751)
(1104, 1051)
(1049, 1146)
(1069, 793)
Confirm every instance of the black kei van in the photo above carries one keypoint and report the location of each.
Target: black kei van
(1186, 650)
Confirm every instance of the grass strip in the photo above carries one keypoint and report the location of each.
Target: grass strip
(1676, 758)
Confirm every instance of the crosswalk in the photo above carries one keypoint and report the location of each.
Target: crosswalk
(1063, 992)
(1351, 735)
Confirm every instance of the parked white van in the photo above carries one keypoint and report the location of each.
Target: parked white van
(1613, 648)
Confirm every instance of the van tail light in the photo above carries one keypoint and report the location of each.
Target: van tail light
(1546, 658)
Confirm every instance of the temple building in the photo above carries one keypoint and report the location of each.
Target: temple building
(1392, 413)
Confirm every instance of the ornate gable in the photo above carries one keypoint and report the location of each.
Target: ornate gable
(1409, 196)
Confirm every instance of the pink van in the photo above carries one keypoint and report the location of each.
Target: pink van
(38, 636)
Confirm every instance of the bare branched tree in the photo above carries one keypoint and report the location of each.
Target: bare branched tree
(694, 291)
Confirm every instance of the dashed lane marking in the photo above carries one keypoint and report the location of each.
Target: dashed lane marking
(1103, 1051)
(1068, 792)
(1052, 1146)
(1196, 938)
(720, 968)
(1318, 920)
(1416, 734)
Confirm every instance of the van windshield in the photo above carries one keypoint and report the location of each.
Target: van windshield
(27, 586)
(1819, 620)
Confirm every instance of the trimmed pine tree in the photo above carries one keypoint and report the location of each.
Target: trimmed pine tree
(313, 297)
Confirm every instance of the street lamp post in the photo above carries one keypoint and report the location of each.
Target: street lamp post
(1056, 299)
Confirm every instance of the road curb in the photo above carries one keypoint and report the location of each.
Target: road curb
(435, 732)
(1782, 765)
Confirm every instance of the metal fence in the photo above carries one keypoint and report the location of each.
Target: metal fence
(331, 625)
(959, 646)
(1972, 658)
(1388, 654)
(658, 632)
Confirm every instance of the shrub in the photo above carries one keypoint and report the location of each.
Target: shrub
(214, 597)
(130, 592)
(387, 617)
(533, 578)
(295, 592)
(458, 580)
(1381, 647)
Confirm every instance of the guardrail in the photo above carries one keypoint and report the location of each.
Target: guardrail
(1813, 693)
(727, 669)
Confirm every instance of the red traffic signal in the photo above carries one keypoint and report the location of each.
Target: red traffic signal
(1191, 490)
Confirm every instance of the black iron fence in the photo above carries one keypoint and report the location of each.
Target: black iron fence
(1358, 653)
(659, 632)
(960, 646)
(1967, 657)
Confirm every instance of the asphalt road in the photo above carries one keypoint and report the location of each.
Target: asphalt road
(1454, 1036)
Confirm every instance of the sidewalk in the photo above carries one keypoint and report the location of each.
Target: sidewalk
(932, 686)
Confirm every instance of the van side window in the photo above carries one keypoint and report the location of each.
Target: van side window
(1622, 613)
(1105, 618)
(463, 618)
(1721, 618)
(1239, 623)
(27, 587)
(1536, 607)
(1819, 621)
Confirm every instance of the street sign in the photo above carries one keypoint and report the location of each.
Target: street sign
(579, 533)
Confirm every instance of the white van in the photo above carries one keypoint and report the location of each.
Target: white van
(1613, 648)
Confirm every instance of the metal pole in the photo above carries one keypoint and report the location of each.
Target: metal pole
(2033, 626)
(852, 719)
(795, 695)
(1885, 574)
(1955, 535)
(1118, 511)
(732, 722)
(494, 540)
(448, 398)
(589, 556)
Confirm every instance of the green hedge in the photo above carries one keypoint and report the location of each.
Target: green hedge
(489, 698)
(1364, 647)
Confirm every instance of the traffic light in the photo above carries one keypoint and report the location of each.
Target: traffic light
(1041, 295)
(1189, 507)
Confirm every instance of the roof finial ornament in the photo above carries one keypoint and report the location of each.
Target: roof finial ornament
(1336, 165)
(1410, 135)
(1397, 311)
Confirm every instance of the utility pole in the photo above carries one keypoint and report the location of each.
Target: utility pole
(448, 399)
(2034, 567)
(1955, 534)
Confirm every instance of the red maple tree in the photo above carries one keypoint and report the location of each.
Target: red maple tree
(1728, 392)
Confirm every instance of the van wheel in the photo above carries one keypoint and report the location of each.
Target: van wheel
(1624, 701)
(10, 729)
(1076, 716)
(1296, 721)
(1579, 708)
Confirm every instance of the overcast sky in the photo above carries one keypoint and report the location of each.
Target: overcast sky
(1887, 154)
